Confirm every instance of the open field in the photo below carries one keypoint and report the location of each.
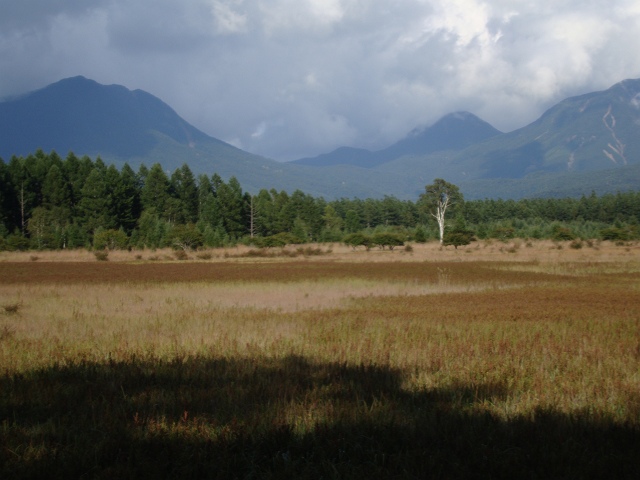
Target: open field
(496, 360)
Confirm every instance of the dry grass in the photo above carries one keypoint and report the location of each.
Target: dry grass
(380, 364)
(485, 250)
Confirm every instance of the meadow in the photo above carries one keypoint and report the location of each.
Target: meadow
(498, 360)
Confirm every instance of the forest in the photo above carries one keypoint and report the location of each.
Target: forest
(50, 202)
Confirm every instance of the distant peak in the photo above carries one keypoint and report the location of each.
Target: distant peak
(462, 115)
(82, 83)
(78, 79)
(450, 120)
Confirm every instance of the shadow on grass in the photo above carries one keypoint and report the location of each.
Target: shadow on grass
(284, 418)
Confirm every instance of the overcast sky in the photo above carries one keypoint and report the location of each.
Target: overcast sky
(294, 78)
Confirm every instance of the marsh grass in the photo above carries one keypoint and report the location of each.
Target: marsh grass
(323, 368)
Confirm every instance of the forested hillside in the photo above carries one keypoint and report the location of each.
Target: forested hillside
(47, 202)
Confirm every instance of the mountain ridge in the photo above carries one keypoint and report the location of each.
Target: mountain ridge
(454, 131)
(79, 113)
(587, 134)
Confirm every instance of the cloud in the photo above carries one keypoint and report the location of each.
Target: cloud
(227, 19)
(292, 78)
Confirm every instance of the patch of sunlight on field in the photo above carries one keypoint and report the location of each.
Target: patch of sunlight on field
(106, 318)
(153, 299)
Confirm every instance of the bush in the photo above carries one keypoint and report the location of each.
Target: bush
(186, 237)
(576, 244)
(15, 242)
(503, 233)
(101, 255)
(615, 234)
(358, 239)
(420, 235)
(110, 240)
(560, 233)
(458, 238)
(387, 239)
(278, 240)
(180, 255)
(309, 251)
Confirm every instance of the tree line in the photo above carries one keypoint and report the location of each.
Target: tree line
(50, 202)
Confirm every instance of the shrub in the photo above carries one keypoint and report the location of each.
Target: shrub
(576, 244)
(110, 240)
(186, 237)
(358, 239)
(101, 255)
(420, 235)
(309, 251)
(503, 233)
(458, 238)
(181, 255)
(560, 233)
(16, 242)
(617, 234)
(278, 240)
(387, 239)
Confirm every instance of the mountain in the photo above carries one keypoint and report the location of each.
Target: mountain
(592, 132)
(585, 143)
(81, 115)
(119, 125)
(455, 131)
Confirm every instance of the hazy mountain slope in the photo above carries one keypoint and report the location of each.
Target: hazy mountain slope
(119, 125)
(341, 156)
(81, 115)
(584, 140)
(557, 185)
(255, 173)
(597, 131)
(455, 131)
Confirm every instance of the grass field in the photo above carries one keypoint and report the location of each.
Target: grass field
(517, 360)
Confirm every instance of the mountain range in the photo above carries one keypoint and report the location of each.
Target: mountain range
(585, 143)
(453, 132)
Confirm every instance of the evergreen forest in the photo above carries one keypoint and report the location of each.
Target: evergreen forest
(50, 202)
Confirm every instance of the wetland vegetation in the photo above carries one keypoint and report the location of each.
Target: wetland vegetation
(496, 360)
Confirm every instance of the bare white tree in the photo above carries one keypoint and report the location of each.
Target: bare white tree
(438, 197)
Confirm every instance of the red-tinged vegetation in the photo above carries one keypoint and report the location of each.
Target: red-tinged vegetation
(321, 368)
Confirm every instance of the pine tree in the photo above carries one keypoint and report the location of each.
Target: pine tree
(155, 191)
(127, 195)
(185, 190)
(96, 204)
(232, 208)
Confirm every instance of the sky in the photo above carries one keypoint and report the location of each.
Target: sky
(293, 78)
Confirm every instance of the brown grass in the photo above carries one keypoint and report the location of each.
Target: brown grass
(486, 250)
(523, 363)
